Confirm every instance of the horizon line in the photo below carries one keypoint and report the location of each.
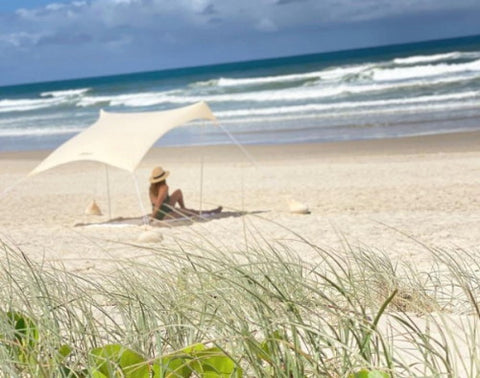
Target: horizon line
(226, 63)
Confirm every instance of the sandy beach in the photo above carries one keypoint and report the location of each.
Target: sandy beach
(398, 196)
(374, 205)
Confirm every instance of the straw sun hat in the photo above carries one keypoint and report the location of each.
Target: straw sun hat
(158, 174)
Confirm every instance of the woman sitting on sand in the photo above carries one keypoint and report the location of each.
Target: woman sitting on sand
(163, 204)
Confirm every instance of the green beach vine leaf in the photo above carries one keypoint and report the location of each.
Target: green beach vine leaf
(115, 360)
(25, 329)
(22, 338)
(365, 373)
(197, 358)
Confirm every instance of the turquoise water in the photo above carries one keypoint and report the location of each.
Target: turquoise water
(390, 91)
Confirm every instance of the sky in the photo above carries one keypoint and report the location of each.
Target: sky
(44, 40)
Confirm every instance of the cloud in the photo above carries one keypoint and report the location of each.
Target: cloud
(215, 20)
(259, 14)
(267, 25)
(283, 2)
(365, 10)
(54, 7)
(185, 20)
(158, 33)
(26, 13)
(69, 39)
(20, 39)
(209, 10)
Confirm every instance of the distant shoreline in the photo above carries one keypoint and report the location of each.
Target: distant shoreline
(468, 141)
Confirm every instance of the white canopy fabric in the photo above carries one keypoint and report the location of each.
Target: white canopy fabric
(122, 139)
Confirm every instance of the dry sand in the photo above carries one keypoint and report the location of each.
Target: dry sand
(391, 195)
(398, 196)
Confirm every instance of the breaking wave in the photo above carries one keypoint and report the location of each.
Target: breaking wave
(440, 100)
(66, 93)
(436, 57)
(319, 94)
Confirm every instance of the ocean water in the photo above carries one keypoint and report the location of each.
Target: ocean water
(390, 91)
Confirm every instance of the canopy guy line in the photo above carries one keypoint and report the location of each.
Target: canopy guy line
(11, 187)
(239, 145)
(108, 193)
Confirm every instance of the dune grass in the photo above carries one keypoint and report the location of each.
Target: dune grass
(256, 312)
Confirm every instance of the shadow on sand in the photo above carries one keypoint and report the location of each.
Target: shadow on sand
(174, 222)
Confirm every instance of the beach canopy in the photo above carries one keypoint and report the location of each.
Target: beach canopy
(122, 139)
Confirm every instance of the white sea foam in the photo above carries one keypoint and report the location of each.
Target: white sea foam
(65, 93)
(422, 71)
(38, 131)
(233, 82)
(295, 113)
(32, 119)
(378, 105)
(341, 73)
(436, 57)
(379, 71)
(311, 93)
(48, 99)
(277, 121)
(26, 104)
(326, 74)
(226, 82)
(141, 99)
(330, 83)
(349, 114)
(432, 86)
(131, 100)
(426, 58)
(419, 76)
(94, 100)
(152, 99)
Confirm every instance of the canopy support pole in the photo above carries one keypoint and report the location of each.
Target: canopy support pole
(201, 167)
(108, 193)
(144, 212)
(201, 184)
